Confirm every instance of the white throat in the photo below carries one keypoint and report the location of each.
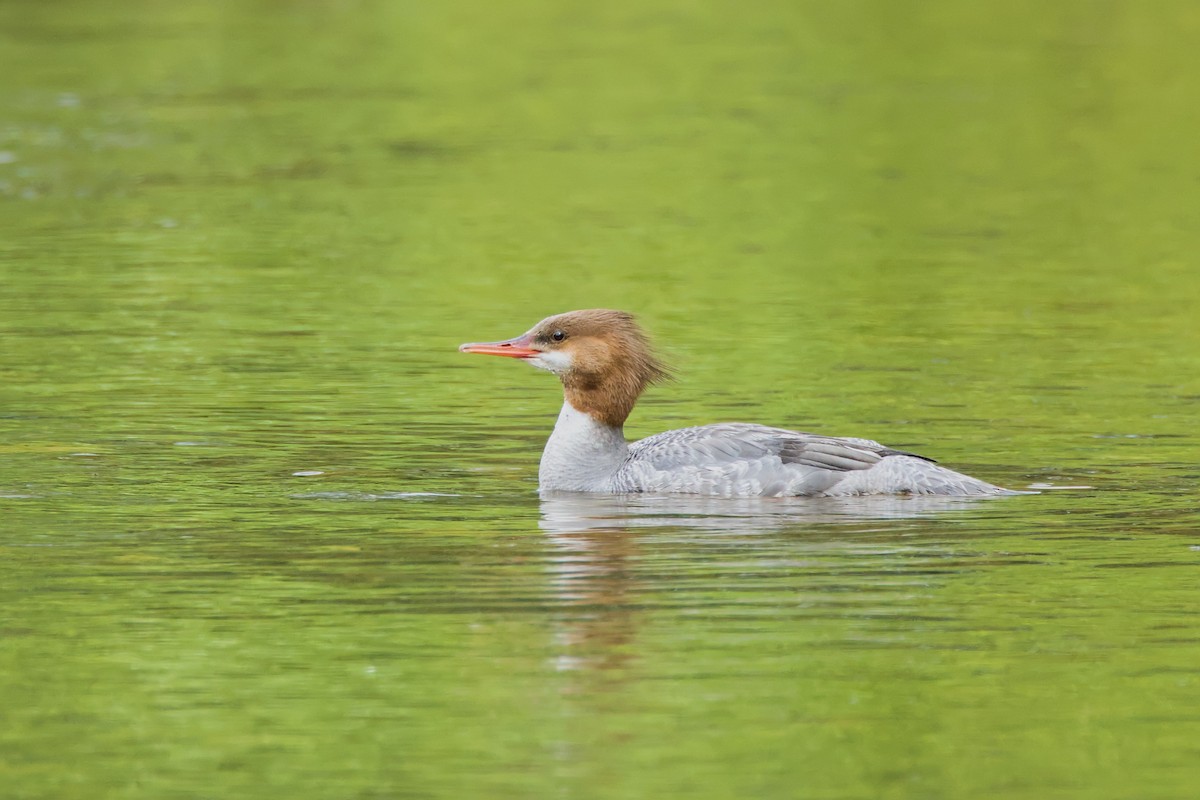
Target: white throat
(582, 455)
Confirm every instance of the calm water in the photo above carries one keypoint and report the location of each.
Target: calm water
(266, 534)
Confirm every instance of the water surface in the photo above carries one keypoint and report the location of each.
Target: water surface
(266, 533)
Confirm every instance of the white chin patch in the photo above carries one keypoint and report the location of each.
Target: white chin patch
(555, 361)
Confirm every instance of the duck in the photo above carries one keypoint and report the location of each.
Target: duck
(604, 361)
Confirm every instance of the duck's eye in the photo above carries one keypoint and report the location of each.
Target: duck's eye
(558, 336)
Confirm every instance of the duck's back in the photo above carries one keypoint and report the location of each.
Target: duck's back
(742, 460)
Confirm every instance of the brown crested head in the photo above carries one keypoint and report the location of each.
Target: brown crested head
(602, 357)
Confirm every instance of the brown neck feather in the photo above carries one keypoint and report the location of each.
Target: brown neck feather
(609, 390)
(601, 403)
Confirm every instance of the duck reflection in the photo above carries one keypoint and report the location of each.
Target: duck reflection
(574, 512)
(598, 543)
(594, 578)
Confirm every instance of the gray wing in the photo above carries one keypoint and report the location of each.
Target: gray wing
(736, 441)
(739, 458)
(835, 453)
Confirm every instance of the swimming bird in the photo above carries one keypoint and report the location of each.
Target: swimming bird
(604, 361)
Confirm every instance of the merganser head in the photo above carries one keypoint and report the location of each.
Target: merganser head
(602, 357)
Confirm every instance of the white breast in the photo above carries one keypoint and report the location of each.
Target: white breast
(582, 454)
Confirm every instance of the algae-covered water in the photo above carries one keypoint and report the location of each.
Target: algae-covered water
(265, 533)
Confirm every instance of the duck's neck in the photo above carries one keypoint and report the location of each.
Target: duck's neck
(583, 453)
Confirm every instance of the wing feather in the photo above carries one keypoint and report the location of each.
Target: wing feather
(738, 459)
(740, 442)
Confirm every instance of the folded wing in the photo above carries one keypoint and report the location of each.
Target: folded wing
(738, 458)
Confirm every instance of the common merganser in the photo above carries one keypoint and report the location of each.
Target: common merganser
(605, 362)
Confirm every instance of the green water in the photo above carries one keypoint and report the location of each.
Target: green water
(265, 533)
